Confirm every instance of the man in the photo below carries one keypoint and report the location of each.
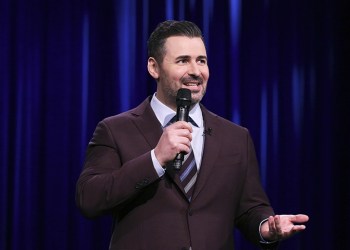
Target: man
(128, 171)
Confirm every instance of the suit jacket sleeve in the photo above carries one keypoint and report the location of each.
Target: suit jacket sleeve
(254, 206)
(109, 177)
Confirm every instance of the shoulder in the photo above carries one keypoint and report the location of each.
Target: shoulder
(121, 117)
(129, 115)
(231, 125)
(224, 125)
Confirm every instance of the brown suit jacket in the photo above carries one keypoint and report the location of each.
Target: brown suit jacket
(152, 213)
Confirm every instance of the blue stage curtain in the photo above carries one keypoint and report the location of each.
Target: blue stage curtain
(277, 68)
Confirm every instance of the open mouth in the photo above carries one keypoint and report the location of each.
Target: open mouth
(189, 84)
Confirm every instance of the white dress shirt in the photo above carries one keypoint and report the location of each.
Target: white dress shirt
(164, 114)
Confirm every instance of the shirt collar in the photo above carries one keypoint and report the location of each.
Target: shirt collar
(164, 113)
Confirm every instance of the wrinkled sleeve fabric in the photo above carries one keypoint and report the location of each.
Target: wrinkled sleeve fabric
(108, 180)
(254, 205)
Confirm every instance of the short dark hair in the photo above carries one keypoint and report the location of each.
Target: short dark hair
(168, 29)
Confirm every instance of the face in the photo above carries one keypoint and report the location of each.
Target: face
(184, 66)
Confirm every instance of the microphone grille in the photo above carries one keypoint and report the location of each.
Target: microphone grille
(183, 97)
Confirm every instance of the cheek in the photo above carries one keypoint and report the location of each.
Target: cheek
(175, 75)
(206, 74)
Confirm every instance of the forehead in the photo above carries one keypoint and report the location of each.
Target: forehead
(183, 45)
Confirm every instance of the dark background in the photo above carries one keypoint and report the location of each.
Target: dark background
(279, 68)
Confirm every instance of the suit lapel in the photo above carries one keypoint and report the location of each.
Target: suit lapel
(147, 123)
(174, 176)
(212, 145)
(150, 128)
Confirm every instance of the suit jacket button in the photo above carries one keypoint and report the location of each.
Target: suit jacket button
(142, 183)
(190, 212)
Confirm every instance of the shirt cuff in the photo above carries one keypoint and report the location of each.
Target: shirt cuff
(159, 169)
(262, 240)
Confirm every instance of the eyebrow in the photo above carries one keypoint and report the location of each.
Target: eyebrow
(188, 57)
(203, 57)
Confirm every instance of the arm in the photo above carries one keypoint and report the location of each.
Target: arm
(116, 171)
(254, 204)
(106, 181)
(277, 227)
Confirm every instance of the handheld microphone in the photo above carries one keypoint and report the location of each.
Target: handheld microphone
(183, 103)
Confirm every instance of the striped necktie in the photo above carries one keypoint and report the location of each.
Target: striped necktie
(188, 171)
(188, 175)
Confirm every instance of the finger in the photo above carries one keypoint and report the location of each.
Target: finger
(277, 220)
(272, 227)
(182, 125)
(183, 145)
(185, 133)
(298, 228)
(300, 218)
(177, 135)
(186, 147)
(280, 232)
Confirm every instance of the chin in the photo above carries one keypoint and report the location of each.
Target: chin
(197, 97)
(196, 100)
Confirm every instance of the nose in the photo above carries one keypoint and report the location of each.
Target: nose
(194, 69)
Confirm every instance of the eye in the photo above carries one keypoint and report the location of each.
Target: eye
(182, 61)
(202, 61)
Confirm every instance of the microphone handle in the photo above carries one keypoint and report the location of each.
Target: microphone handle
(182, 115)
(177, 163)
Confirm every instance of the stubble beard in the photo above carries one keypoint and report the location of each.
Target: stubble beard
(172, 94)
(170, 89)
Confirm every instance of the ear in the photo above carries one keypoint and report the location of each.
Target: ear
(153, 68)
